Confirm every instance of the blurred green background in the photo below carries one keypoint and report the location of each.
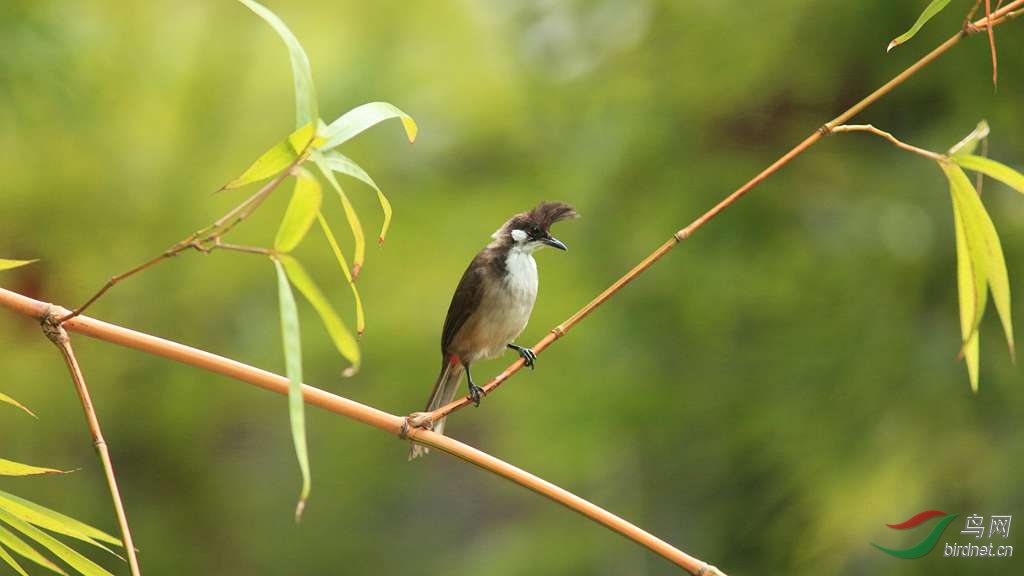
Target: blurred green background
(766, 398)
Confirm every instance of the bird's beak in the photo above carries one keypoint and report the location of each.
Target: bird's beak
(554, 243)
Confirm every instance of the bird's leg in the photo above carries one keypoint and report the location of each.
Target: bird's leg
(475, 392)
(527, 355)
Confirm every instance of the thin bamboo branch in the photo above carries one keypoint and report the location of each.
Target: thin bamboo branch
(998, 17)
(202, 239)
(53, 330)
(379, 419)
(888, 136)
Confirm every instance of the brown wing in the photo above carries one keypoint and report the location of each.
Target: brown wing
(465, 301)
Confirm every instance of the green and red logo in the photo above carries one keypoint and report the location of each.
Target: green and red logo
(924, 546)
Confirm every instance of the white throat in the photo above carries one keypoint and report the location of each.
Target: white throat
(521, 272)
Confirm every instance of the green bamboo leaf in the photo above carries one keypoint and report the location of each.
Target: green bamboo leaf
(11, 468)
(10, 561)
(271, 162)
(965, 208)
(6, 264)
(992, 169)
(340, 335)
(360, 118)
(305, 92)
(358, 237)
(976, 218)
(20, 547)
(293, 368)
(970, 142)
(967, 289)
(8, 400)
(69, 555)
(343, 264)
(55, 521)
(930, 11)
(302, 210)
(344, 165)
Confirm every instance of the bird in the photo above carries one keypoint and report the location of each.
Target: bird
(492, 303)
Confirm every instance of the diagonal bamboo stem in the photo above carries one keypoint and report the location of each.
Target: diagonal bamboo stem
(996, 18)
(202, 239)
(379, 419)
(53, 330)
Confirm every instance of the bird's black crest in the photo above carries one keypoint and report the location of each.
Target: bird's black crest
(547, 213)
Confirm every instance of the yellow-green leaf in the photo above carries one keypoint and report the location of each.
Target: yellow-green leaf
(55, 521)
(344, 165)
(968, 290)
(977, 222)
(363, 117)
(8, 400)
(970, 142)
(293, 368)
(965, 209)
(11, 468)
(302, 210)
(69, 555)
(992, 169)
(343, 264)
(358, 237)
(930, 11)
(340, 335)
(20, 547)
(305, 92)
(10, 561)
(6, 264)
(271, 162)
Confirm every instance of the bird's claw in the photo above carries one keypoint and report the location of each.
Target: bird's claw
(475, 394)
(528, 356)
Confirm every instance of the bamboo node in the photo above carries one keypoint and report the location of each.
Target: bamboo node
(50, 322)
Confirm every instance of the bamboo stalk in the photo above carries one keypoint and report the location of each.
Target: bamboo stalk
(998, 17)
(369, 415)
(53, 330)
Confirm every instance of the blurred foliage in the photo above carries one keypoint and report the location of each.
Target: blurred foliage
(766, 398)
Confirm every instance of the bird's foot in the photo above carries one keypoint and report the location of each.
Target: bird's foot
(475, 394)
(528, 355)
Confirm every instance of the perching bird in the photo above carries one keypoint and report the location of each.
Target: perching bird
(492, 303)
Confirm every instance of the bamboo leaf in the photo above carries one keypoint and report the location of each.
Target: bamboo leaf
(361, 118)
(11, 468)
(55, 521)
(930, 11)
(967, 290)
(8, 400)
(271, 162)
(343, 264)
(69, 555)
(965, 203)
(10, 561)
(976, 218)
(992, 169)
(305, 92)
(344, 165)
(20, 547)
(970, 142)
(302, 210)
(340, 335)
(358, 237)
(293, 368)
(6, 264)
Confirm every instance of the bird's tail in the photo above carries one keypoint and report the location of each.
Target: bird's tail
(444, 392)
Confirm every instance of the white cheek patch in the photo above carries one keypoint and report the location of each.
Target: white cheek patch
(518, 235)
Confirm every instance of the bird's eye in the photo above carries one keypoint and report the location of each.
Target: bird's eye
(535, 231)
